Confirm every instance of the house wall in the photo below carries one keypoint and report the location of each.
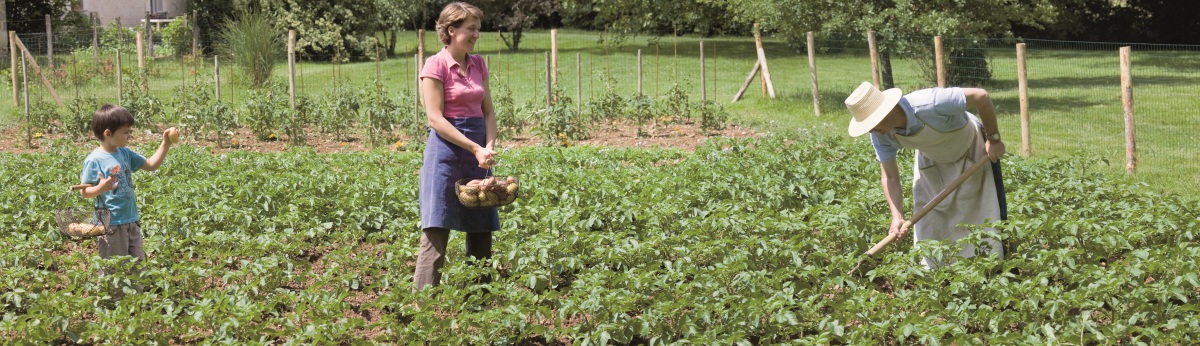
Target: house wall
(131, 12)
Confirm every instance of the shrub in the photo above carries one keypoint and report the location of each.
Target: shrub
(254, 46)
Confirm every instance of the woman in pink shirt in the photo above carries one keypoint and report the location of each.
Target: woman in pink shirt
(454, 84)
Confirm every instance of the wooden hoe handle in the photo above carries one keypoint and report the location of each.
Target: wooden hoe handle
(932, 203)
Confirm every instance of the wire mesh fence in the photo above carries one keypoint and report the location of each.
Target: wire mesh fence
(1074, 87)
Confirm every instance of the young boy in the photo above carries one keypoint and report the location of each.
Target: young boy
(109, 169)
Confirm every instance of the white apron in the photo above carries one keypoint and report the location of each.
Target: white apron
(941, 157)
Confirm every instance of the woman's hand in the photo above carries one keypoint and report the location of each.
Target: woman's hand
(994, 150)
(486, 157)
(897, 228)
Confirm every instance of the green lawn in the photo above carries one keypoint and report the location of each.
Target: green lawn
(1075, 102)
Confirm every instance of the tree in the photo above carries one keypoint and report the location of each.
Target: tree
(897, 22)
(621, 18)
(514, 16)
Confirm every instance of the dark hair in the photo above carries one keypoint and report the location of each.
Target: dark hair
(453, 16)
(110, 117)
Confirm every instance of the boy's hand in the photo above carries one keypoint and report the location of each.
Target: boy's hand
(170, 136)
(106, 184)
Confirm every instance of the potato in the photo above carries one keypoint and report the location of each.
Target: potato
(468, 197)
(511, 189)
(173, 135)
(470, 189)
(85, 229)
(510, 198)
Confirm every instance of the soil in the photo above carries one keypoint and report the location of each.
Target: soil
(686, 136)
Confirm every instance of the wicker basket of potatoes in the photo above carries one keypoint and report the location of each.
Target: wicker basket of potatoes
(489, 192)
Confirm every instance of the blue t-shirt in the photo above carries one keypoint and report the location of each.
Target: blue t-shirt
(120, 202)
(944, 109)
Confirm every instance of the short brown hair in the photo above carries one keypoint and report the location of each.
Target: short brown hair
(453, 16)
(110, 117)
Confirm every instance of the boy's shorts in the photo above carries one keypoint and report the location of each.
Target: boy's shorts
(126, 240)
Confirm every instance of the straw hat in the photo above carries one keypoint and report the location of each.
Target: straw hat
(868, 106)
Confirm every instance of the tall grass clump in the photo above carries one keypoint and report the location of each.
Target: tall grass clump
(249, 42)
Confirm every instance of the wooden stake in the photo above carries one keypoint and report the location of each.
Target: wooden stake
(937, 59)
(812, 68)
(746, 84)
(1127, 100)
(1023, 92)
(762, 60)
(36, 69)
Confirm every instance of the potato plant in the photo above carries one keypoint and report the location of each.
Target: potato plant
(738, 242)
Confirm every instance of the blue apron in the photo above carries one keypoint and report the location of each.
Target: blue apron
(445, 163)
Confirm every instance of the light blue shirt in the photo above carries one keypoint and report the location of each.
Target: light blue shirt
(943, 109)
(120, 202)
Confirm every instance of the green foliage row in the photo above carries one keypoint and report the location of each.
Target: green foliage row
(738, 242)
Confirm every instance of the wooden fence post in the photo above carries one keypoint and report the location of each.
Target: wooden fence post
(95, 20)
(420, 51)
(12, 50)
(417, 82)
(874, 51)
(812, 68)
(140, 51)
(291, 52)
(149, 36)
(937, 59)
(120, 86)
(217, 75)
(1127, 100)
(762, 58)
(578, 83)
(49, 44)
(553, 57)
(195, 21)
(639, 71)
(1023, 92)
(703, 93)
(25, 89)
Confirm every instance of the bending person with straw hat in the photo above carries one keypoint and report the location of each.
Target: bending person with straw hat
(947, 140)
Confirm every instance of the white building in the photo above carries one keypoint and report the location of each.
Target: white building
(132, 12)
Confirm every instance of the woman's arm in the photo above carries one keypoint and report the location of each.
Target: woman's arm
(894, 195)
(434, 106)
(979, 99)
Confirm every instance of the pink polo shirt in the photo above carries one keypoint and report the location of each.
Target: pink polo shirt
(462, 93)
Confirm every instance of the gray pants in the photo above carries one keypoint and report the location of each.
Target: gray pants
(126, 240)
(431, 255)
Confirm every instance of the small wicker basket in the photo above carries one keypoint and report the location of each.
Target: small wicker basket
(487, 192)
(83, 222)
